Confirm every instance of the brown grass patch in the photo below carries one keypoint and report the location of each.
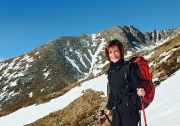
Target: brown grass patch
(80, 112)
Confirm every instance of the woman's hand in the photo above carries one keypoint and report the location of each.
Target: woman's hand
(141, 92)
(108, 112)
(103, 118)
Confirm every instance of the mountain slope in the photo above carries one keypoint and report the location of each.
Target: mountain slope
(54, 68)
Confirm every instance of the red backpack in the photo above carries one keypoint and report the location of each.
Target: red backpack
(145, 82)
(145, 78)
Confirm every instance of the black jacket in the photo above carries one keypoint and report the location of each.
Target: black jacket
(121, 93)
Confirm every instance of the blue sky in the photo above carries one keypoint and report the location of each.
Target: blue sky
(28, 24)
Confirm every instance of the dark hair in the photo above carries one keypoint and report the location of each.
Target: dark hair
(117, 43)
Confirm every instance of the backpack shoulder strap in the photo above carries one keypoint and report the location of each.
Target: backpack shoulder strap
(127, 71)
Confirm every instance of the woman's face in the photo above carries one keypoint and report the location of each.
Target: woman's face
(114, 54)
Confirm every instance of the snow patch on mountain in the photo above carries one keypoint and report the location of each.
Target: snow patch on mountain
(96, 68)
(10, 73)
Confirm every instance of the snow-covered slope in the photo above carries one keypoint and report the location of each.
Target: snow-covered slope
(163, 111)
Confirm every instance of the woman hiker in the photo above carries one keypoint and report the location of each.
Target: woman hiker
(123, 98)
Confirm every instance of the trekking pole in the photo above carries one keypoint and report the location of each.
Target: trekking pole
(107, 118)
(144, 115)
(102, 120)
(101, 114)
(140, 118)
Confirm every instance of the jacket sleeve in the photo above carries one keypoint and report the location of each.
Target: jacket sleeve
(110, 102)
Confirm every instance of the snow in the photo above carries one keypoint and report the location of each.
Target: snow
(148, 56)
(10, 73)
(166, 55)
(13, 83)
(31, 94)
(129, 53)
(28, 58)
(163, 111)
(37, 53)
(46, 74)
(95, 56)
(73, 64)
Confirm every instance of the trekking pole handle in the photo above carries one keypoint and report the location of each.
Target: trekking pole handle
(101, 112)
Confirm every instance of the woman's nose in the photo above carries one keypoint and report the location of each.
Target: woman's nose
(113, 53)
